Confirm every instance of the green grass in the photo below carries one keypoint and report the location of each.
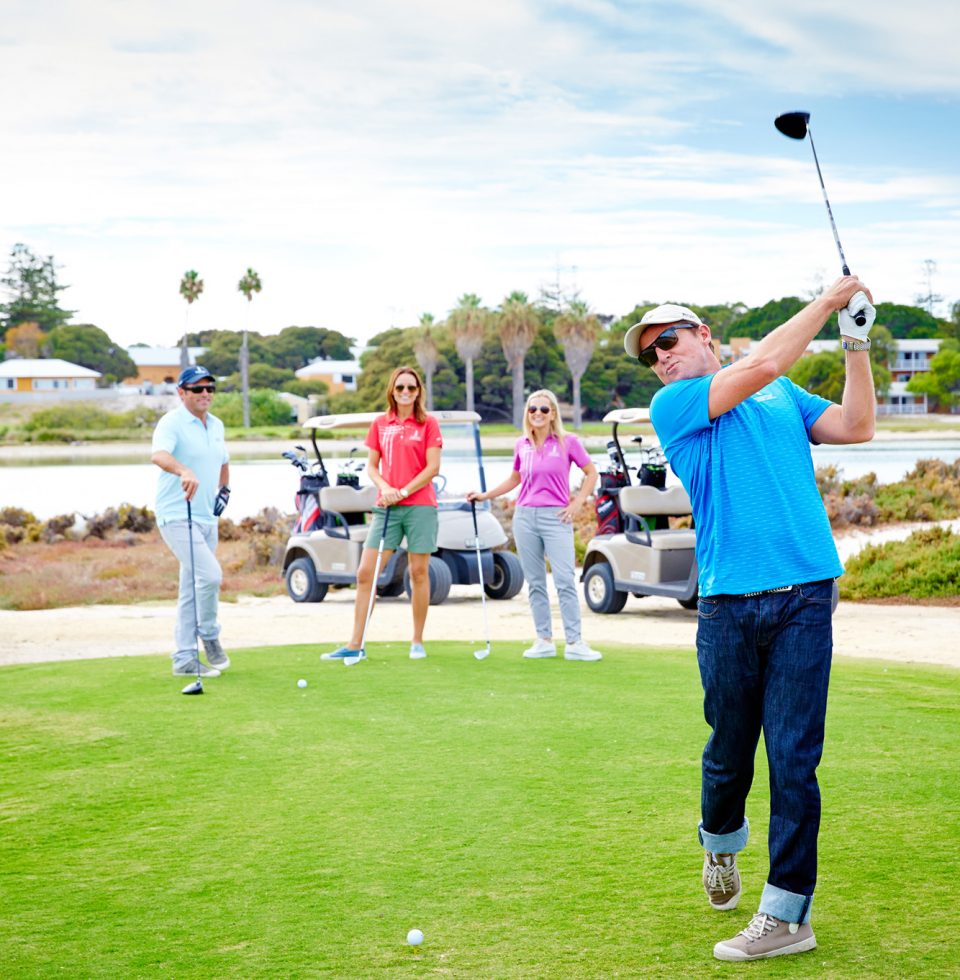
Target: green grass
(535, 819)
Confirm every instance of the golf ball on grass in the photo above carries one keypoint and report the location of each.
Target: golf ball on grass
(301, 683)
(414, 937)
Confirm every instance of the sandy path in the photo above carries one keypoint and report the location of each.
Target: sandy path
(918, 634)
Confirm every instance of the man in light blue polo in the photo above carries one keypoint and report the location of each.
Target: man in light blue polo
(739, 440)
(189, 447)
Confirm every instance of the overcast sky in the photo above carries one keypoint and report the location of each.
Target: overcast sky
(375, 160)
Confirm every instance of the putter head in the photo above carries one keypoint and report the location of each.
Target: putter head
(793, 124)
(482, 654)
(194, 687)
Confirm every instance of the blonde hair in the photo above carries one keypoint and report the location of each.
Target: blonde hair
(419, 408)
(556, 423)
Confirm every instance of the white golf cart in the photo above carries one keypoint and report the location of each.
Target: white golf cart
(327, 551)
(646, 557)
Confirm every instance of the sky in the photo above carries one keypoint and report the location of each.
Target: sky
(375, 160)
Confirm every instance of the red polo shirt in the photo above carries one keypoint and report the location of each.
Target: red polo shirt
(403, 445)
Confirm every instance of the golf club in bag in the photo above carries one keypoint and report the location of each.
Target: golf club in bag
(480, 654)
(796, 125)
(194, 687)
(350, 661)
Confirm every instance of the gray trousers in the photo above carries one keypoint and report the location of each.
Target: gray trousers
(201, 621)
(541, 535)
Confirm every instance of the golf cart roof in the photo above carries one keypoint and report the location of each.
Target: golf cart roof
(623, 416)
(354, 420)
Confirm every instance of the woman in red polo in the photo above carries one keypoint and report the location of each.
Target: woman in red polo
(404, 446)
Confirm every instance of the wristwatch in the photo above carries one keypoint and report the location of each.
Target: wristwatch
(404, 493)
(856, 344)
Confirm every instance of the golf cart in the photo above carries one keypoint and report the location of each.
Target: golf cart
(333, 520)
(636, 552)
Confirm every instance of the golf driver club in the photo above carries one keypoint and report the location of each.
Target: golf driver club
(796, 125)
(350, 661)
(480, 654)
(194, 687)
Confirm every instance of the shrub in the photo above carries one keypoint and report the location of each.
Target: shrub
(16, 517)
(140, 520)
(266, 408)
(56, 528)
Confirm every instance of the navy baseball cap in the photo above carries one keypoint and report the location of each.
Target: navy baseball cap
(193, 374)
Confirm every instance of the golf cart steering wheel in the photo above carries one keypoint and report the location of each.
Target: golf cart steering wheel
(439, 484)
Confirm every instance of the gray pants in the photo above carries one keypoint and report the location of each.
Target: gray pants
(540, 534)
(201, 621)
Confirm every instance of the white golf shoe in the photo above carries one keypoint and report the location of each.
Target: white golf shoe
(581, 651)
(540, 650)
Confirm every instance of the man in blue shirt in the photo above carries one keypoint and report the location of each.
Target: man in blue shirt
(189, 447)
(739, 440)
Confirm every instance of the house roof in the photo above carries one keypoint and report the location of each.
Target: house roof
(44, 367)
(320, 367)
(162, 356)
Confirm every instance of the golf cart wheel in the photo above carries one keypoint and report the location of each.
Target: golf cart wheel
(302, 584)
(600, 592)
(507, 576)
(440, 581)
(690, 603)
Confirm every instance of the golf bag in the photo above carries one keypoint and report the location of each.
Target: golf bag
(307, 502)
(607, 502)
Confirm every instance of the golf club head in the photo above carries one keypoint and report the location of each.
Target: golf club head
(194, 687)
(482, 654)
(350, 661)
(793, 124)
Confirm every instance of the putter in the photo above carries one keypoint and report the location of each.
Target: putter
(796, 125)
(480, 654)
(350, 661)
(194, 687)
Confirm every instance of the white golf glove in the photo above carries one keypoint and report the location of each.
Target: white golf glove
(859, 308)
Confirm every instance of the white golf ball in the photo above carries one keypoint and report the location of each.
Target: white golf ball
(301, 683)
(414, 937)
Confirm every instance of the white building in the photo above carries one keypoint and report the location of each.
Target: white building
(913, 357)
(337, 375)
(45, 374)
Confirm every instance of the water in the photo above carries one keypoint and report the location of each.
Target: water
(50, 489)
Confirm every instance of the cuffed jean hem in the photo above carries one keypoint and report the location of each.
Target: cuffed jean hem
(731, 843)
(784, 905)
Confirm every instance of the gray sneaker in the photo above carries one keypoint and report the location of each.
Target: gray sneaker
(766, 937)
(721, 880)
(192, 667)
(215, 655)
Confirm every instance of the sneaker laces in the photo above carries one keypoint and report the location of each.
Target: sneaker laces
(720, 876)
(760, 925)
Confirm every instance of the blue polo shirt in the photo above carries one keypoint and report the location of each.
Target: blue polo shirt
(749, 473)
(202, 448)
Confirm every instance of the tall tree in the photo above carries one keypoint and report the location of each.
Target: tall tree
(32, 291)
(427, 353)
(248, 285)
(942, 381)
(26, 339)
(929, 299)
(191, 286)
(467, 324)
(85, 344)
(517, 324)
(577, 330)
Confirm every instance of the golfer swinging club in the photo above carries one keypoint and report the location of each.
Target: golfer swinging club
(739, 439)
(189, 447)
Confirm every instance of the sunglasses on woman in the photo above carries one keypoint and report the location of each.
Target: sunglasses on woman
(666, 341)
(200, 389)
(400, 389)
(533, 409)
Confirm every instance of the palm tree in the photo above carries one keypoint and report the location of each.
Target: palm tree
(577, 330)
(191, 286)
(427, 354)
(467, 323)
(248, 285)
(517, 323)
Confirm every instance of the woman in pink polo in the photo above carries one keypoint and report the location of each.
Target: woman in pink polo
(404, 458)
(543, 520)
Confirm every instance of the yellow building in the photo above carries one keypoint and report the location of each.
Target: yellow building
(337, 375)
(45, 374)
(159, 365)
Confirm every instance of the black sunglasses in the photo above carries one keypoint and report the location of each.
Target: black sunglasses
(406, 387)
(200, 389)
(665, 341)
(533, 409)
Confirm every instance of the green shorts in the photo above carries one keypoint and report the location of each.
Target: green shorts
(417, 523)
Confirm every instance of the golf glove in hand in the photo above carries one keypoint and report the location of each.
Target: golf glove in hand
(220, 503)
(859, 308)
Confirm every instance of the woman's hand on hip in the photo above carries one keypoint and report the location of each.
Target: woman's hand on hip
(570, 511)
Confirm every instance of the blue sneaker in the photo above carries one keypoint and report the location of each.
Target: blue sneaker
(341, 654)
(417, 652)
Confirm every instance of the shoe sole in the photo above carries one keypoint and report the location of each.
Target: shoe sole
(418, 656)
(579, 656)
(731, 955)
(221, 667)
(730, 903)
(538, 656)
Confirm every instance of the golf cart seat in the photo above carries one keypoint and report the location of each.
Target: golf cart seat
(639, 503)
(337, 501)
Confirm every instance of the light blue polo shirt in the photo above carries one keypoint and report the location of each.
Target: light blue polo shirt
(201, 447)
(749, 473)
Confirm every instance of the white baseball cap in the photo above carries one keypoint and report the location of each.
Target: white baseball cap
(667, 313)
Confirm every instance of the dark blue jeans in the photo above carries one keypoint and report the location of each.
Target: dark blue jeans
(765, 666)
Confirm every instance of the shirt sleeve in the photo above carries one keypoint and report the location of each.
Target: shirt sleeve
(811, 406)
(516, 453)
(433, 437)
(576, 452)
(373, 437)
(680, 410)
(164, 437)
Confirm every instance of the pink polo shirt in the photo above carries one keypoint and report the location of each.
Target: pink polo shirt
(403, 445)
(545, 472)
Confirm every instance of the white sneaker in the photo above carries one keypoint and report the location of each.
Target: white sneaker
(540, 650)
(417, 652)
(580, 651)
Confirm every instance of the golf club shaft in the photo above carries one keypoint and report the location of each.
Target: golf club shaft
(193, 586)
(376, 578)
(833, 224)
(483, 591)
